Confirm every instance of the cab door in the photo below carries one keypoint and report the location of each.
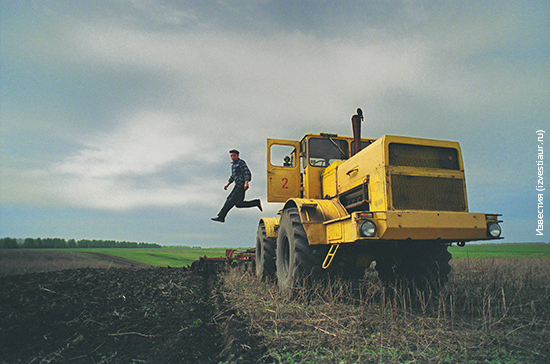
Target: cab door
(283, 170)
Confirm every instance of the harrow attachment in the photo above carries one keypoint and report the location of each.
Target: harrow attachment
(207, 265)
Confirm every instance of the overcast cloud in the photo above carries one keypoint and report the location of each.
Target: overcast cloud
(116, 116)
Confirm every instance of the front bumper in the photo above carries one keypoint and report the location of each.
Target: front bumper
(430, 225)
(409, 225)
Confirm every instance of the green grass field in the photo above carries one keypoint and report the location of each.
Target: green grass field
(170, 256)
(500, 251)
(181, 257)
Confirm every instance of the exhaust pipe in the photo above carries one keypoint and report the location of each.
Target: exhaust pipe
(356, 125)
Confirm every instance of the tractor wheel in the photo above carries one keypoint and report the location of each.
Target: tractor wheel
(430, 265)
(439, 267)
(423, 264)
(265, 254)
(296, 259)
(387, 269)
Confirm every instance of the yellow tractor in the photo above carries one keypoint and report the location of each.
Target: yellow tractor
(349, 201)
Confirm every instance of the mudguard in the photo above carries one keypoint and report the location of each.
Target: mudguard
(271, 226)
(314, 215)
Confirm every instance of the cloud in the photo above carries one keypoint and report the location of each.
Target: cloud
(284, 77)
(158, 13)
(259, 81)
(115, 194)
(141, 145)
(148, 160)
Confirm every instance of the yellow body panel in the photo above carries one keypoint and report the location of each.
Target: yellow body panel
(329, 179)
(378, 190)
(312, 182)
(364, 164)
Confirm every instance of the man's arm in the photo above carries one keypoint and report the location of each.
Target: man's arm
(247, 174)
(231, 178)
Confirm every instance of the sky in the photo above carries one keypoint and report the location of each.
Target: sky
(116, 116)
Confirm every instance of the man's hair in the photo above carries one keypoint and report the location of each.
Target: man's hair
(234, 151)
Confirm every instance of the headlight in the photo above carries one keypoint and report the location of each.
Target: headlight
(494, 229)
(367, 229)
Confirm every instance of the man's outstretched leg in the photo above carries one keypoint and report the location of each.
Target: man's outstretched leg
(235, 197)
(253, 203)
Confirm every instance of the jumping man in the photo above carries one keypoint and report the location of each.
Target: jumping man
(240, 174)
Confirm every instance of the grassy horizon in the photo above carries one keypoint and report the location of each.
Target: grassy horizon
(501, 250)
(181, 256)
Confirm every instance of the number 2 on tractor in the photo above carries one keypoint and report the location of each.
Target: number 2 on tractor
(285, 182)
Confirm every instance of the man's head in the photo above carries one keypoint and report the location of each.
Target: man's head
(234, 153)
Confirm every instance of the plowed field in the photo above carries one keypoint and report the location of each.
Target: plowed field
(490, 311)
(117, 315)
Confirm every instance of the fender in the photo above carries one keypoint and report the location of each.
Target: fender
(314, 213)
(271, 226)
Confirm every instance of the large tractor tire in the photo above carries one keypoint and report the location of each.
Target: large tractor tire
(436, 267)
(423, 264)
(296, 259)
(265, 254)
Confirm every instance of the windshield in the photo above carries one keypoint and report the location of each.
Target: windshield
(324, 151)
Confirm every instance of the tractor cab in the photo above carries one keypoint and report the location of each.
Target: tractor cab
(294, 169)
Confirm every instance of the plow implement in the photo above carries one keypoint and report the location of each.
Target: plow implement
(212, 265)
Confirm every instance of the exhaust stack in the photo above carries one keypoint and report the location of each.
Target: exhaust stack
(356, 125)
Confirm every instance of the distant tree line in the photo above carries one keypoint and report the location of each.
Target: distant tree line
(56, 243)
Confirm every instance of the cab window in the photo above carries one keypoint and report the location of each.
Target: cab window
(283, 156)
(324, 151)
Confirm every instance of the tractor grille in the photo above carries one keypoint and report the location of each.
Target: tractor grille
(409, 155)
(427, 193)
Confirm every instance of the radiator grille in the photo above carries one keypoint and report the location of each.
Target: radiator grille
(410, 155)
(427, 193)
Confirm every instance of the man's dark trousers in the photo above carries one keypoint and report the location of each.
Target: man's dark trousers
(236, 199)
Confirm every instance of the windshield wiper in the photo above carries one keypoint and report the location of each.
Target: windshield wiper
(342, 153)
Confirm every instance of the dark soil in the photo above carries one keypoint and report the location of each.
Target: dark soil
(117, 315)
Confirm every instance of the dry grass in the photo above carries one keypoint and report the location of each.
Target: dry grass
(491, 311)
